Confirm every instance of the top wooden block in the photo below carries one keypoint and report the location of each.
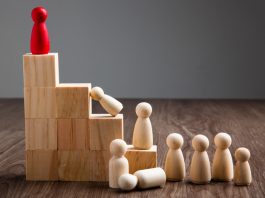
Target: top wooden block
(41, 70)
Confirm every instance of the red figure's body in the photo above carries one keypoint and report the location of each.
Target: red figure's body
(40, 42)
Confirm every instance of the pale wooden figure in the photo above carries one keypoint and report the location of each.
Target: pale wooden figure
(222, 168)
(127, 181)
(175, 165)
(242, 169)
(143, 133)
(150, 178)
(110, 104)
(118, 164)
(200, 170)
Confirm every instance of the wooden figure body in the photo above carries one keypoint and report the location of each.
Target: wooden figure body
(175, 165)
(40, 42)
(143, 133)
(110, 104)
(150, 178)
(118, 164)
(222, 168)
(242, 169)
(200, 170)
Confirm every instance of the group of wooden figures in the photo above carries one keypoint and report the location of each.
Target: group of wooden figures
(174, 168)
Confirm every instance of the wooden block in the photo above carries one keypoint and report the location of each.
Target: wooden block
(41, 134)
(141, 159)
(73, 100)
(103, 129)
(83, 165)
(40, 102)
(41, 165)
(73, 134)
(41, 70)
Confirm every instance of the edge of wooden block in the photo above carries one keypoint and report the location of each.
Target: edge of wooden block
(105, 116)
(131, 148)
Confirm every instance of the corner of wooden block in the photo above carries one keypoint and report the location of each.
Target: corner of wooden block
(141, 159)
(103, 129)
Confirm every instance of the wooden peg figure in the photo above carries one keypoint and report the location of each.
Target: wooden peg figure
(175, 165)
(143, 133)
(110, 104)
(222, 168)
(200, 170)
(242, 169)
(40, 42)
(118, 164)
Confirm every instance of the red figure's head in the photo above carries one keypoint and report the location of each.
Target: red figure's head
(39, 14)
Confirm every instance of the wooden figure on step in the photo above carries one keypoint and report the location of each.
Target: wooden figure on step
(222, 168)
(118, 164)
(143, 132)
(200, 170)
(110, 104)
(242, 175)
(175, 165)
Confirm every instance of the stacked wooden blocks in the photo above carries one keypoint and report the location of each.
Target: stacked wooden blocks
(64, 140)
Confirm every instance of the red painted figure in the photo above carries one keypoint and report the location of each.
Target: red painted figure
(40, 42)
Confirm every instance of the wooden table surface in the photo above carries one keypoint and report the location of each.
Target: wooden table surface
(243, 119)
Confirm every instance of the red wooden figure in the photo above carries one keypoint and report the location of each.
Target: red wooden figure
(40, 42)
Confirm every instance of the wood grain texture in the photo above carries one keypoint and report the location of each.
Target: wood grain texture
(103, 129)
(41, 70)
(141, 159)
(243, 120)
(73, 100)
(42, 165)
(41, 134)
(73, 134)
(40, 102)
(83, 165)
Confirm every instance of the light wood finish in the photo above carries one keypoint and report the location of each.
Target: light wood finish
(200, 169)
(73, 100)
(143, 132)
(110, 104)
(41, 70)
(41, 165)
(243, 176)
(41, 134)
(73, 134)
(118, 164)
(175, 164)
(244, 119)
(103, 129)
(83, 165)
(150, 178)
(40, 102)
(127, 181)
(141, 159)
(222, 167)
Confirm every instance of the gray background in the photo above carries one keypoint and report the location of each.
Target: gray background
(140, 48)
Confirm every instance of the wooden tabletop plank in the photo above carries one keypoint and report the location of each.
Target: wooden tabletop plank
(243, 119)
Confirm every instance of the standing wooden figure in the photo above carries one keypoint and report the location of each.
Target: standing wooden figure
(40, 42)
(175, 165)
(143, 133)
(200, 170)
(222, 168)
(118, 164)
(242, 169)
